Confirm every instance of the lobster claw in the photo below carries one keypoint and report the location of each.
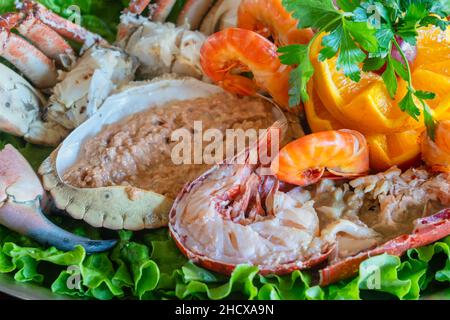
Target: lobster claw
(21, 197)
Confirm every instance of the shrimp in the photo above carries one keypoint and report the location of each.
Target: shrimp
(344, 153)
(270, 19)
(436, 153)
(230, 52)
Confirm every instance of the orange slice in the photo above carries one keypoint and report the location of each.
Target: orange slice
(435, 82)
(333, 87)
(319, 119)
(400, 149)
(433, 46)
(442, 67)
(366, 106)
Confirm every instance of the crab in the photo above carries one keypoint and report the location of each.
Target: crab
(77, 86)
(22, 198)
(161, 48)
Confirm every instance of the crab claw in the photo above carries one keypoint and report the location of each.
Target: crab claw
(21, 197)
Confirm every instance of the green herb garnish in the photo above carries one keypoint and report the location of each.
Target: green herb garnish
(364, 33)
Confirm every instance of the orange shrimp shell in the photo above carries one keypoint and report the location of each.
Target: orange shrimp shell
(232, 51)
(270, 18)
(344, 153)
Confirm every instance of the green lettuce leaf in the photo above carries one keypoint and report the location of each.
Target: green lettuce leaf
(150, 266)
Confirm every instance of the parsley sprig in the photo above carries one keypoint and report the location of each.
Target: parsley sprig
(364, 33)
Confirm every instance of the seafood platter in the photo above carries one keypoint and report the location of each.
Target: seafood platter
(118, 179)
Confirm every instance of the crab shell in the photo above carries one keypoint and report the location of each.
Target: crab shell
(21, 108)
(119, 207)
(161, 48)
(82, 90)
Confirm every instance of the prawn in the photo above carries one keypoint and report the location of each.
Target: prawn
(344, 153)
(270, 19)
(437, 153)
(229, 53)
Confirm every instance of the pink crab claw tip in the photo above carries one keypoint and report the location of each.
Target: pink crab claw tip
(20, 207)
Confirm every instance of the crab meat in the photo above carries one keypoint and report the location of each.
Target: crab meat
(81, 91)
(21, 197)
(20, 111)
(161, 48)
(123, 205)
(233, 215)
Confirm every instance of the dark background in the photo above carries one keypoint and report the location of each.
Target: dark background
(4, 297)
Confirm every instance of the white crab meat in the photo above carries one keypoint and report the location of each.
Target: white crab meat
(161, 47)
(21, 108)
(82, 90)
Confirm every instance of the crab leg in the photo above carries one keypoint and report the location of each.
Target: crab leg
(21, 194)
(193, 13)
(28, 59)
(162, 10)
(46, 39)
(63, 27)
(428, 230)
(42, 36)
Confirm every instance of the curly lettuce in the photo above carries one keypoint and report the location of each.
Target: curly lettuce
(149, 265)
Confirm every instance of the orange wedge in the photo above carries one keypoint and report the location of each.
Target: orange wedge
(319, 119)
(333, 87)
(366, 106)
(399, 149)
(433, 46)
